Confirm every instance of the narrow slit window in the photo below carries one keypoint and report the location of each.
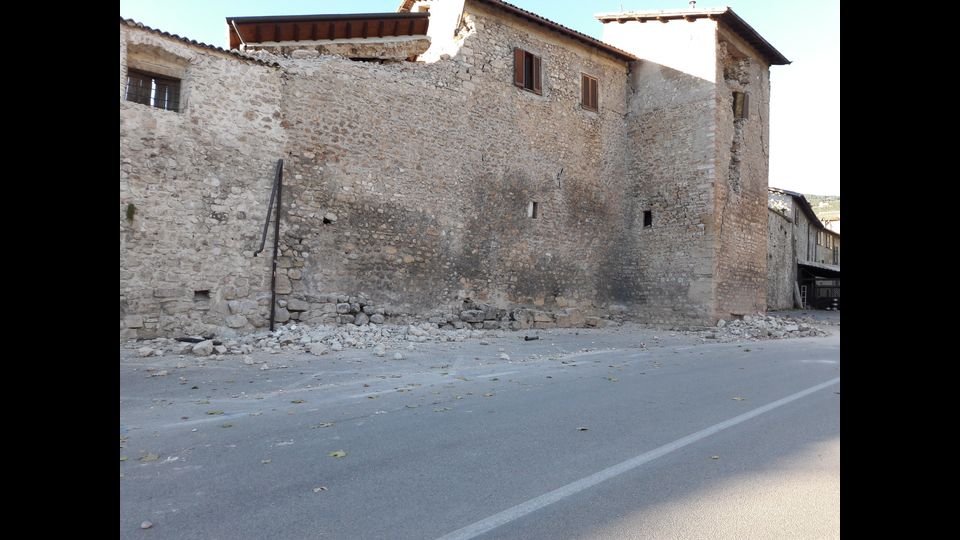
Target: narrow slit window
(741, 105)
(533, 210)
(647, 218)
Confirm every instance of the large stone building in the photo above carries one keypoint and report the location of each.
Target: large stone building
(465, 161)
(803, 256)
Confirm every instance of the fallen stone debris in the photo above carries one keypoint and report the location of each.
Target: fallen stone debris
(317, 340)
(760, 326)
(321, 340)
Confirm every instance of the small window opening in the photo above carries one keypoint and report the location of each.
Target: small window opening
(199, 296)
(527, 71)
(153, 90)
(647, 218)
(741, 105)
(533, 210)
(588, 92)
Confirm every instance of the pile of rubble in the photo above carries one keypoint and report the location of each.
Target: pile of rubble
(757, 327)
(319, 340)
(322, 339)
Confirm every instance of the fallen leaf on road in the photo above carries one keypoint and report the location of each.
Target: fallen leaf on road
(581, 428)
(214, 412)
(123, 458)
(338, 454)
(149, 457)
(226, 425)
(146, 525)
(412, 406)
(613, 379)
(372, 397)
(488, 394)
(297, 401)
(319, 489)
(714, 457)
(738, 398)
(265, 461)
(322, 424)
(441, 409)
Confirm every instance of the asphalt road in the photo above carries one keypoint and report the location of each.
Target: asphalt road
(682, 440)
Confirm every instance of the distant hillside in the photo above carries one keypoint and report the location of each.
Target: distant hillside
(825, 206)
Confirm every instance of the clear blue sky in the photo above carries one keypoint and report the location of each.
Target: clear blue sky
(805, 95)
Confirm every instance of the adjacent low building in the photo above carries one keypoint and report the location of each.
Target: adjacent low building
(803, 256)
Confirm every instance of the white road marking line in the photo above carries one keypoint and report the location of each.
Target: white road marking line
(511, 514)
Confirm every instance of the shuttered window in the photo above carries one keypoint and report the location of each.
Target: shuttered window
(153, 90)
(526, 71)
(588, 92)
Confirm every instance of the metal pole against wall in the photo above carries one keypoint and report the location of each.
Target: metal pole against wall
(276, 191)
(276, 244)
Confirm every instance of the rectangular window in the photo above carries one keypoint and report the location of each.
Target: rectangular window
(741, 105)
(647, 218)
(526, 71)
(588, 92)
(153, 90)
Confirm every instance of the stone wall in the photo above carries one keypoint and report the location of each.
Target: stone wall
(407, 188)
(193, 190)
(670, 132)
(742, 157)
(429, 170)
(781, 263)
(804, 231)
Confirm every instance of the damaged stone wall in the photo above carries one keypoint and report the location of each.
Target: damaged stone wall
(781, 263)
(407, 187)
(671, 155)
(742, 157)
(193, 191)
(429, 169)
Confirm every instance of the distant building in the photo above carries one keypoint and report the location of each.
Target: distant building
(803, 255)
(832, 223)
